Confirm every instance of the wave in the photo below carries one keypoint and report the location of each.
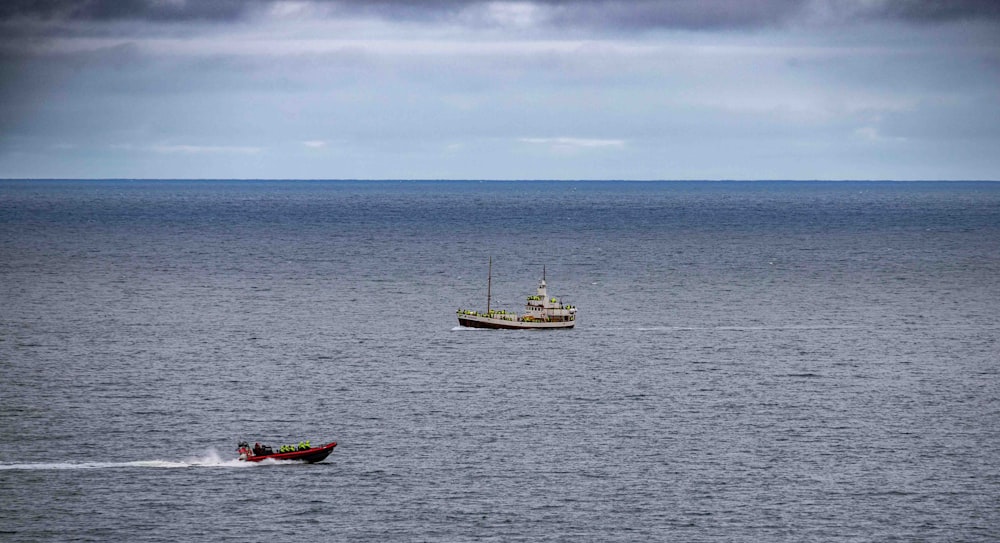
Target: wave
(211, 459)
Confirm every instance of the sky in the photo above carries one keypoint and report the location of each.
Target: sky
(469, 89)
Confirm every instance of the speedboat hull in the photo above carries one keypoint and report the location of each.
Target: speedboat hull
(310, 455)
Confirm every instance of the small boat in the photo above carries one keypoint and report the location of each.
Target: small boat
(308, 454)
(541, 312)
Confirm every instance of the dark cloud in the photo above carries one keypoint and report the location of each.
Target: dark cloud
(723, 14)
(110, 10)
(218, 10)
(676, 14)
(937, 11)
(619, 14)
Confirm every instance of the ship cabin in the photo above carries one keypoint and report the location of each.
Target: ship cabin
(542, 308)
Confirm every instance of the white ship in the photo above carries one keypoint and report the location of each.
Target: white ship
(540, 312)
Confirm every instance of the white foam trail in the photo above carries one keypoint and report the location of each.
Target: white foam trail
(210, 459)
(743, 328)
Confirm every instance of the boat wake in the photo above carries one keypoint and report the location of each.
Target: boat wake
(743, 328)
(211, 459)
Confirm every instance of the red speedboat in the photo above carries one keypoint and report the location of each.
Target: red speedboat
(309, 455)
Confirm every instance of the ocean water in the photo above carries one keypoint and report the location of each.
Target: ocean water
(759, 361)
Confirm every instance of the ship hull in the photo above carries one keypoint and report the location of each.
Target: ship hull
(475, 321)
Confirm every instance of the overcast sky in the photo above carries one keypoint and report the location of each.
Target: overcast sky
(464, 89)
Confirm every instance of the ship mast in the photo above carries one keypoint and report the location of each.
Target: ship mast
(489, 285)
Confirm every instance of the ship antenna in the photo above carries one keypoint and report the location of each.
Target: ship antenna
(489, 285)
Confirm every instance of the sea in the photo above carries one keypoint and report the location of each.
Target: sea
(752, 361)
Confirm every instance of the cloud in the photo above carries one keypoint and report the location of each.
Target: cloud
(204, 149)
(466, 88)
(872, 134)
(563, 144)
(109, 10)
(930, 10)
(709, 15)
(612, 14)
(680, 14)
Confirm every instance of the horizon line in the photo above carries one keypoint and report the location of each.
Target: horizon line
(500, 180)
